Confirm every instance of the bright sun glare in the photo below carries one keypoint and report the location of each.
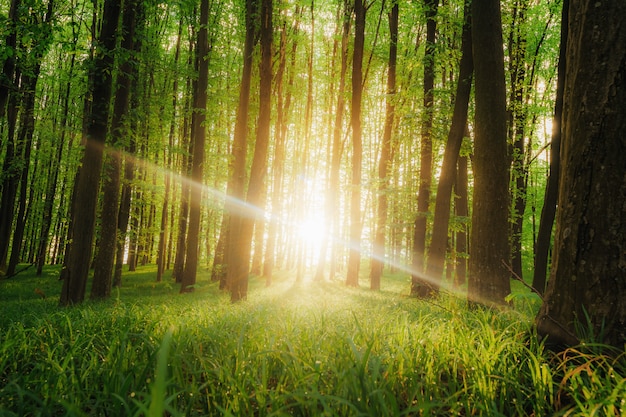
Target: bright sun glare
(312, 231)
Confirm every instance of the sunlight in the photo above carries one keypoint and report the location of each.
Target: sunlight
(312, 231)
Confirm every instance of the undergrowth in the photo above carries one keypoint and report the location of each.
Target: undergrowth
(302, 349)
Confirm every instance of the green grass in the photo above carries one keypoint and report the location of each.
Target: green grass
(298, 349)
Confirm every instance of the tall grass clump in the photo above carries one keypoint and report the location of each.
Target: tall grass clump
(301, 349)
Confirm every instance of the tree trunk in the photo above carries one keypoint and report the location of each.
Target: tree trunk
(283, 103)
(354, 258)
(489, 281)
(7, 84)
(165, 212)
(54, 172)
(518, 114)
(439, 241)
(548, 211)
(239, 264)
(75, 282)
(199, 138)
(107, 248)
(586, 294)
(418, 287)
(25, 139)
(377, 262)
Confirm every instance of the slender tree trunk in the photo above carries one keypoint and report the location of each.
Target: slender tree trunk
(7, 83)
(74, 284)
(54, 173)
(29, 81)
(517, 127)
(548, 212)
(278, 160)
(489, 280)
(439, 242)
(183, 216)
(25, 139)
(161, 252)
(426, 154)
(354, 258)
(236, 274)
(199, 138)
(377, 263)
(240, 264)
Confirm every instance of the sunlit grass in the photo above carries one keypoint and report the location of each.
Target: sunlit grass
(292, 349)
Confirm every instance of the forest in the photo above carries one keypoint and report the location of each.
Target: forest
(437, 148)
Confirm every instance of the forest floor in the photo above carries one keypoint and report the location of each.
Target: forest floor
(295, 348)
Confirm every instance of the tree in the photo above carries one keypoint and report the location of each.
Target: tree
(586, 293)
(107, 247)
(86, 193)
(439, 240)
(548, 211)
(377, 263)
(418, 286)
(489, 240)
(197, 156)
(354, 259)
(241, 236)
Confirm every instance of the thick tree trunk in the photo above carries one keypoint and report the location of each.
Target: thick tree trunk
(548, 211)
(107, 248)
(377, 262)
(586, 294)
(489, 280)
(354, 257)
(199, 138)
(418, 287)
(75, 282)
(439, 241)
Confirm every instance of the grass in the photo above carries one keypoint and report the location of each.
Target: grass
(300, 349)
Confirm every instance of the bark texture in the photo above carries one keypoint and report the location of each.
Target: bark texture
(586, 294)
(489, 241)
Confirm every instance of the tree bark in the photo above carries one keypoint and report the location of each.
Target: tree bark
(105, 259)
(489, 281)
(75, 282)
(239, 264)
(197, 161)
(354, 257)
(439, 240)
(235, 280)
(377, 262)
(418, 288)
(586, 294)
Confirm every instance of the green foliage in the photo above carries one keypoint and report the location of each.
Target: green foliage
(292, 349)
